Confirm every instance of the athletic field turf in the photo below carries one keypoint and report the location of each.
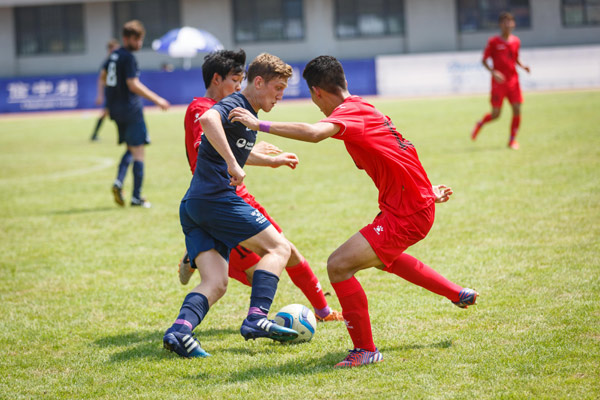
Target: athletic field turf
(87, 288)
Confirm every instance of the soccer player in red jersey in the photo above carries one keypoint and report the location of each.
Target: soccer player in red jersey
(223, 74)
(406, 199)
(504, 52)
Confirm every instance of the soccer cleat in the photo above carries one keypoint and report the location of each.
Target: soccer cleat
(141, 202)
(513, 144)
(333, 316)
(185, 269)
(476, 130)
(266, 328)
(118, 193)
(466, 297)
(185, 345)
(358, 357)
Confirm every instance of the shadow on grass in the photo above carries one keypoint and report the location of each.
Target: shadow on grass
(147, 344)
(303, 365)
(81, 210)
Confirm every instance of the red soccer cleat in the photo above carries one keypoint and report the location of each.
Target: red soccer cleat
(358, 357)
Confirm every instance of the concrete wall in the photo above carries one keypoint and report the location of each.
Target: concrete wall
(430, 26)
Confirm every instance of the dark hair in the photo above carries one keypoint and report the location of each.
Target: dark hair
(505, 15)
(222, 62)
(325, 72)
(268, 67)
(134, 28)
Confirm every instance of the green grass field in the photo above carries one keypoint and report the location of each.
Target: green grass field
(87, 289)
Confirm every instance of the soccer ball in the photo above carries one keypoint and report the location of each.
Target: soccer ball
(298, 318)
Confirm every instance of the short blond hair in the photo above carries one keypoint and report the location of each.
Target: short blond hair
(268, 67)
(134, 28)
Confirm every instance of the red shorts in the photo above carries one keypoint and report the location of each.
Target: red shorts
(511, 89)
(240, 258)
(389, 235)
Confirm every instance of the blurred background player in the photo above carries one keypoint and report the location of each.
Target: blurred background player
(406, 200)
(215, 219)
(111, 46)
(223, 72)
(503, 49)
(123, 100)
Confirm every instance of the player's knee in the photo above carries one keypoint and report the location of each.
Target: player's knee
(283, 249)
(337, 265)
(220, 287)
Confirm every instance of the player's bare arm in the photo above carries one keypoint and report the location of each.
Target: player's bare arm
(264, 160)
(524, 66)
(214, 132)
(442, 193)
(292, 130)
(497, 75)
(100, 87)
(266, 148)
(137, 87)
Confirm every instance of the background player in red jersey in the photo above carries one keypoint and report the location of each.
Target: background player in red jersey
(406, 199)
(223, 72)
(504, 52)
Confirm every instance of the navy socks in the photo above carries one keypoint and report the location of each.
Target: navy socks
(138, 177)
(264, 287)
(123, 166)
(194, 308)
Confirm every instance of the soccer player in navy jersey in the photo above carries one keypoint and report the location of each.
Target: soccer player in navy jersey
(123, 100)
(406, 199)
(223, 72)
(503, 49)
(215, 219)
(111, 46)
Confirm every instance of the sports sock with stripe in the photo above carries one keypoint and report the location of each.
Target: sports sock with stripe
(264, 287)
(192, 312)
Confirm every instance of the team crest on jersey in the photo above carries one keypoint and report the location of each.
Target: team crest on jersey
(378, 229)
(259, 217)
(244, 144)
(196, 117)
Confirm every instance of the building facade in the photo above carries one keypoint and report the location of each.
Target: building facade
(46, 37)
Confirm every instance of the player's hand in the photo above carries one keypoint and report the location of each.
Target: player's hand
(526, 68)
(498, 76)
(162, 103)
(442, 193)
(266, 148)
(237, 175)
(244, 116)
(289, 159)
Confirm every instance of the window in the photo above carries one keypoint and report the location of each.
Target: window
(482, 15)
(158, 17)
(580, 12)
(49, 29)
(364, 18)
(268, 20)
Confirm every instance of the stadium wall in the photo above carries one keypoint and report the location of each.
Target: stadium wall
(572, 67)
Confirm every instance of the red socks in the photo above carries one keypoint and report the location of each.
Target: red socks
(305, 279)
(355, 310)
(514, 127)
(414, 271)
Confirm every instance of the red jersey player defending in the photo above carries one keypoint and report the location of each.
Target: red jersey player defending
(223, 74)
(504, 52)
(406, 200)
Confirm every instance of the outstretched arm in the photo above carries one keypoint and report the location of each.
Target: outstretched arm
(137, 87)
(263, 160)
(214, 132)
(442, 193)
(525, 67)
(292, 130)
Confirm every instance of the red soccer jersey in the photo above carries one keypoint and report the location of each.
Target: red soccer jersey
(504, 54)
(193, 133)
(390, 160)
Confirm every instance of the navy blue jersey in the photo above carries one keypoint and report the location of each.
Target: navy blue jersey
(211, 179)
(123, 105)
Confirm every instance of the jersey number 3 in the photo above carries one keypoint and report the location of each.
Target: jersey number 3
(111, 74)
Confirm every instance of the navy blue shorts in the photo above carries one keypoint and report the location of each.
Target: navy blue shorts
(133, 133)
(219, 224)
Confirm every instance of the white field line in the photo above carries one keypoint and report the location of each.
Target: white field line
(100, 164)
